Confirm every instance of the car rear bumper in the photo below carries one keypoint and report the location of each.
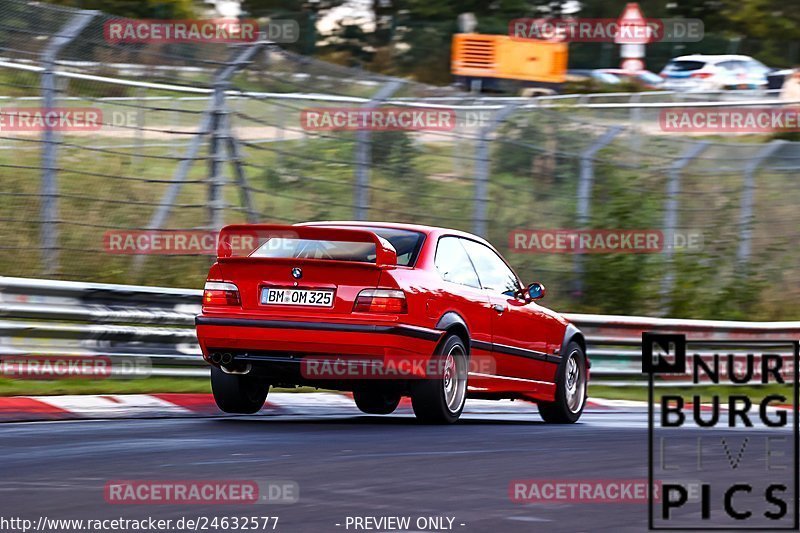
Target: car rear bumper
(683, 85)
(290, 346)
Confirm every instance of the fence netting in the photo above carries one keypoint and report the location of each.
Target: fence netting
(196, 135)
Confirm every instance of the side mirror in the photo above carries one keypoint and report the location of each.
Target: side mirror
(535, 291)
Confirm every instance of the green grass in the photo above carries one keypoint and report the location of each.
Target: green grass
(24, 387)
(421, 179)
(151, 385)
(639, 393)
(155, 385)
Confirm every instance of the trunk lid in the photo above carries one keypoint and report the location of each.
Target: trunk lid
(297, 271)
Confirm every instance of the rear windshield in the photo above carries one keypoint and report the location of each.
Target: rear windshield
(683, 66)
(406, 243)
(756, 66)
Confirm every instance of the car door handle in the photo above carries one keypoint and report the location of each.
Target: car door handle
(499, 308)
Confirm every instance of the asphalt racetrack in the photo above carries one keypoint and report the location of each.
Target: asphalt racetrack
(346, 464)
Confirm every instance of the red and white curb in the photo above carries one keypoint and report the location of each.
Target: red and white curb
(22, 408)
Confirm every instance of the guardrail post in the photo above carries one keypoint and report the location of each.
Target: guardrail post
(363, 152)
(176, 122)
(241, 180)
(50, 140)
(216, 152)
(585, 181)
(221, 133)
(140, 125)
(635, 115)
(480, 217)
(671, 215)
(189, 156)
(746, 207)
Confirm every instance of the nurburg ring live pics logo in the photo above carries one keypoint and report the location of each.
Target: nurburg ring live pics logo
(722, 433)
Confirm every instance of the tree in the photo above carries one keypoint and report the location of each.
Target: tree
(157, 9)
(305, 12)
(774, 23)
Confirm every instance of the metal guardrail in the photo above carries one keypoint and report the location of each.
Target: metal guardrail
(460, 101)
(121, 322)
(614, 342)
(125, 322)
(81, 70)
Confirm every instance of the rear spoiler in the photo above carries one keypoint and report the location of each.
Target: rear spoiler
(230, 238)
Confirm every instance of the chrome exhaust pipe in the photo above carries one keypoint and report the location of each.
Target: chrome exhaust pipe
(237, 371)
(226, 359)
(216, 358)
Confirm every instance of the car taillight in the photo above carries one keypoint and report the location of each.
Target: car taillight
(221, 293)
(701, 75)
(381, 301)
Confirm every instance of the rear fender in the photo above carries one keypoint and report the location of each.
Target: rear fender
(572, 333)
(452, 322)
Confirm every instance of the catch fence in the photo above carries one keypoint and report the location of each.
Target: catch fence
(198, 135)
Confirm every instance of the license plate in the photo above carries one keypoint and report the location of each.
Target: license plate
(316, 298)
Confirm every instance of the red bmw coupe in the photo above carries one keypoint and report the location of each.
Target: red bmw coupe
(385, 311)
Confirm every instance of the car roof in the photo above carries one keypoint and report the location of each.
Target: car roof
(623, 71)
(421, 228)
(429, 231)
(710, 58)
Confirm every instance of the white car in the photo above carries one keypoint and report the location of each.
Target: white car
(714, 73)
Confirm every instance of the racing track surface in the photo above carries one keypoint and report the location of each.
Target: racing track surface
(345, 464)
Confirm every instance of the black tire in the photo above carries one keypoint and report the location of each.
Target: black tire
(566, 409)
(237, 393)
(376, 401)
(429, 397)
